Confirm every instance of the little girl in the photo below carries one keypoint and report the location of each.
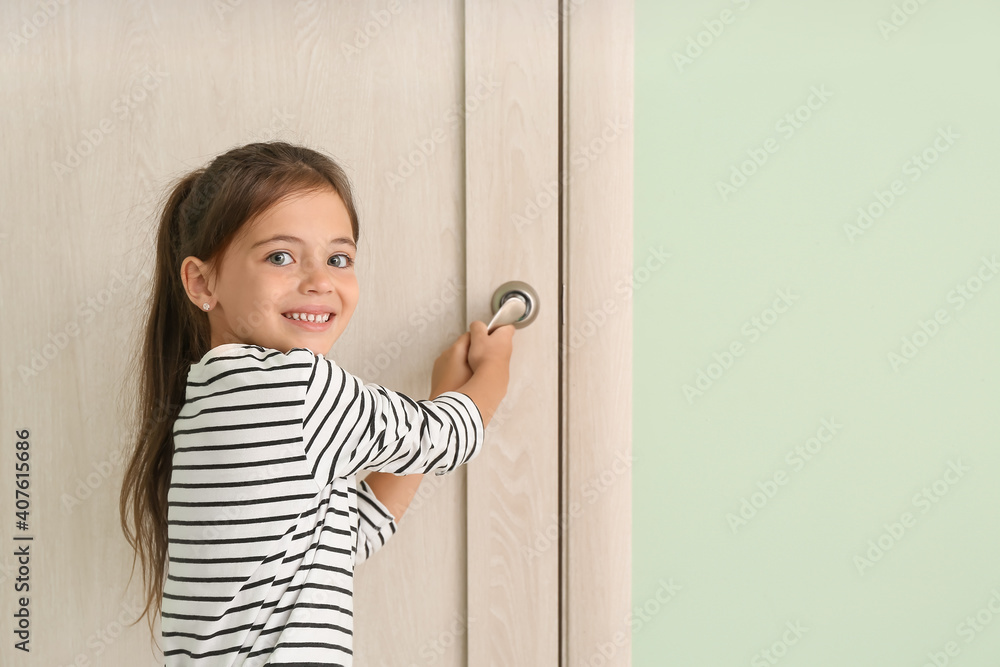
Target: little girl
(242, 487)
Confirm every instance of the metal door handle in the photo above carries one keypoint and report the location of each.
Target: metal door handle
(514, 302)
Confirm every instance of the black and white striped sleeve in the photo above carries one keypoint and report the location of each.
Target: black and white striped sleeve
(351, 426)
(376, 524)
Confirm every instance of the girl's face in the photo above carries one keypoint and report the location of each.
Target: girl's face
(297, 257)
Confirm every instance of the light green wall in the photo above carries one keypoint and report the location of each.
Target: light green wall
(705, 594)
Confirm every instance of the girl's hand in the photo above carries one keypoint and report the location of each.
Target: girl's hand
(451, 369)
(485, 347)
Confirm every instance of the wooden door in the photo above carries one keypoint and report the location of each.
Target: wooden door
(447, 116)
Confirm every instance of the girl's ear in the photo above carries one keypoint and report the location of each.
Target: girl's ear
(197, 279)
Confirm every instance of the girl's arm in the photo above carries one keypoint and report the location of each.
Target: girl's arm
(394, 491)
(397, 491)
(487, 387)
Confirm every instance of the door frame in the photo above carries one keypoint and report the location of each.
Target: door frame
(597, 54)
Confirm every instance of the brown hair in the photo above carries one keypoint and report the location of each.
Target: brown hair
(204, 212)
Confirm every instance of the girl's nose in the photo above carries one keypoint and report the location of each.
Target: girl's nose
(316, 274)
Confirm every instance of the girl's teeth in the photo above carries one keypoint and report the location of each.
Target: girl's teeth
(309, 317)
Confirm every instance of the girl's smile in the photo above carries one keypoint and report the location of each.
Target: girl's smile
(313, 321)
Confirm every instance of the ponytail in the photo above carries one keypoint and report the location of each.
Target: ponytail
(174, 335)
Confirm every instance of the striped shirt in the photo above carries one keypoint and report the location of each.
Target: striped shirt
(266, 518)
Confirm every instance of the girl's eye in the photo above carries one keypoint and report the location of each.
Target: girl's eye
(347, 261)
(276, 254)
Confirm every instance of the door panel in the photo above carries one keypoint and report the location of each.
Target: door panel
(126, 97)
(513, 232)
(446, 116)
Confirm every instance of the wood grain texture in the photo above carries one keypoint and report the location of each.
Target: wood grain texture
(166, 86)
(598, 342)
(511, 157)
(446, 118)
